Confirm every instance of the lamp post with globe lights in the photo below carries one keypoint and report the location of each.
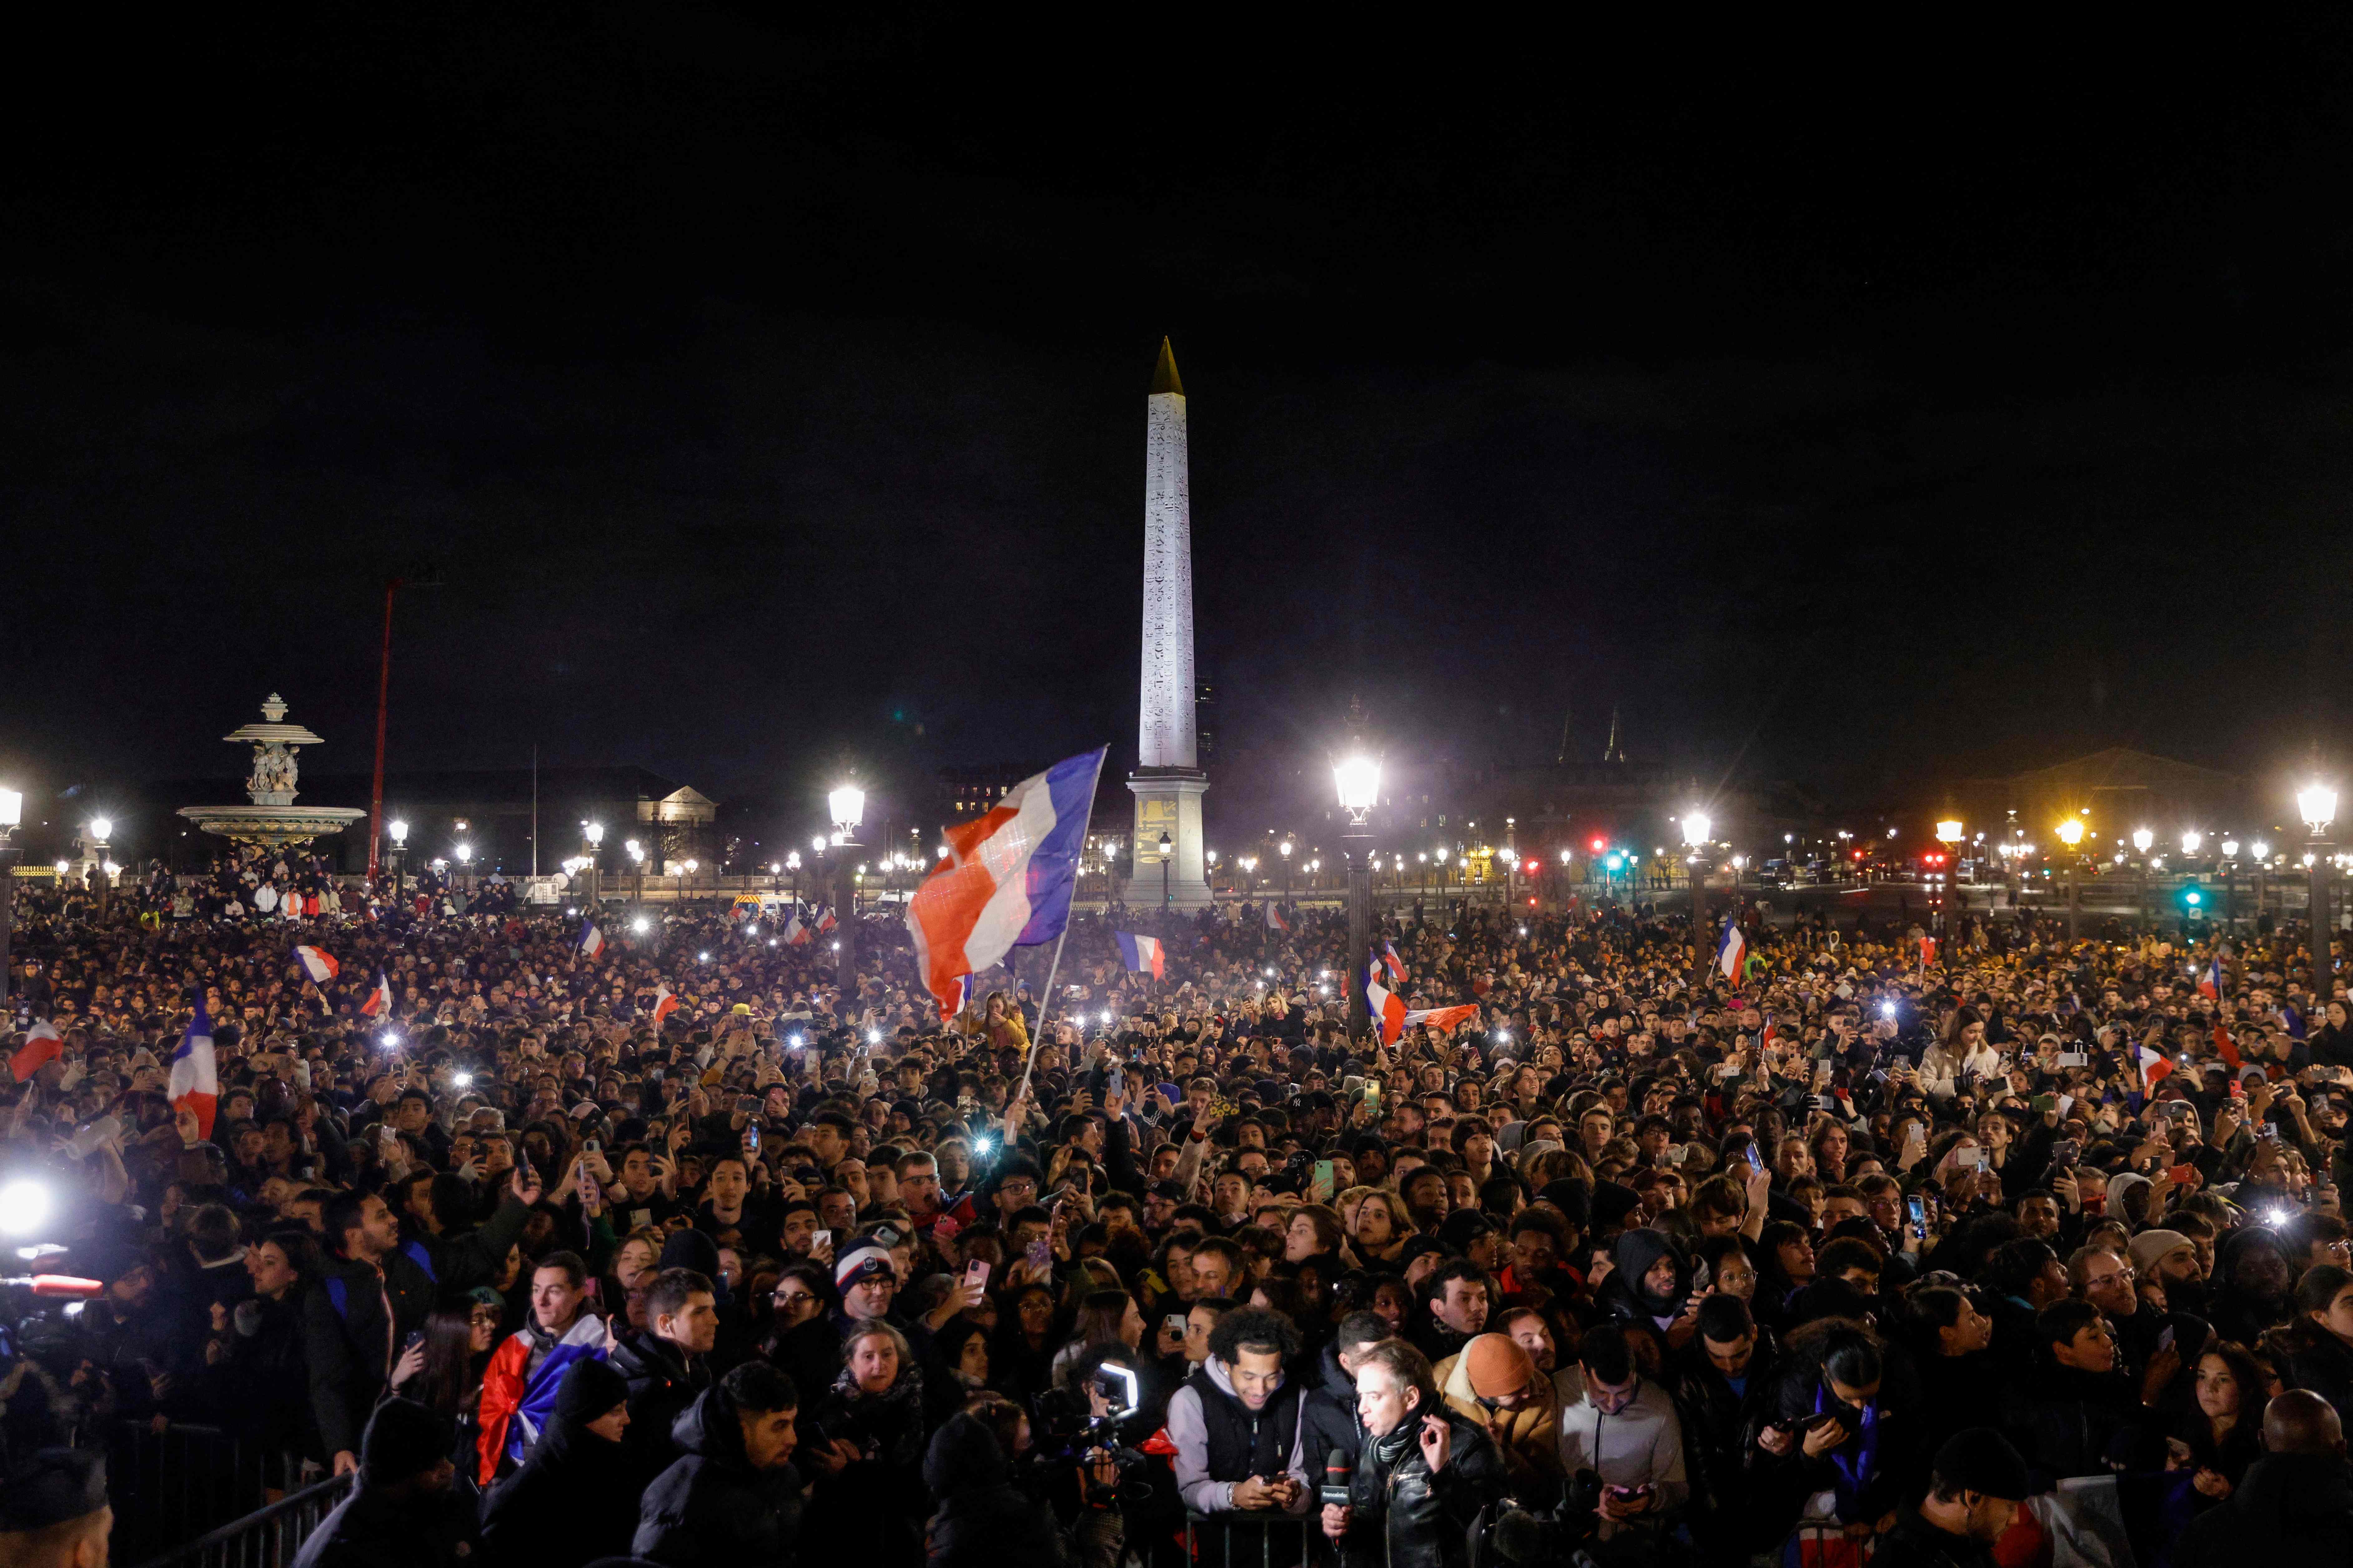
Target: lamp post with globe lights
(2316, 803)
(397, 829)
(594, 834)
(2260, 853)
(1283, 849)
(1697, 828)
(1167, 848)
(637, 854)
(846, 804)
(793, 864)
(2230, 848)
(466, 864)
(11, 815)
(2071, 834)
(101, 829)
(1357, 779)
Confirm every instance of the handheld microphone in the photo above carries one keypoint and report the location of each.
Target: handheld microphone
(1339, 1480)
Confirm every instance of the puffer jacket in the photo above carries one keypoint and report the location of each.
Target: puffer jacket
(1530, 1436)
(1401, 1516)
(710, 1509)
(983, 1521)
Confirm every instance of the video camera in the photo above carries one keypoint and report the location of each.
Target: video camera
(1072, 1430)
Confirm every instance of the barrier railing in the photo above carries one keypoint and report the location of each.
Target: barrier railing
(1284, 1540)
(268, 1538)
(171, 1484)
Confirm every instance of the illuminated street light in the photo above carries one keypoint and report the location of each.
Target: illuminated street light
(2191, 839)
(2071, 832)
(2316, 803)
(1695, 827)
(1949, 831)
(2260, 850)
(846, 805)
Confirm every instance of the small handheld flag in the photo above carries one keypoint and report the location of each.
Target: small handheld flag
(2154, 1066)
(592, 941)
(2209, 984)
(1393, 964)
(795, 933)
(824, 921)
(379, 1002)
(1140, 952)
(196, 1080)
(318, 963)
(665, 1003)
(42, 1043)
(1274, 917)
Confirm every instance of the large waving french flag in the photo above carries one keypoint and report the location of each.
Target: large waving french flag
(1007, 878)
(195, 1078)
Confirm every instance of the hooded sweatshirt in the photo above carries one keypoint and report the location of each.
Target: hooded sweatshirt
(574, 1499)
(983, 1521)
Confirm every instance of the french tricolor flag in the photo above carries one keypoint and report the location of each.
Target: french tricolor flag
(2154, 1066)
(1007, 878)
(665, 1003)
(318, 963)
(42, 1043)
(2210, 982)
(1141, 952)
(825, 920)
(195, 1080)
(592, 941)
(379, 1002)
(1274, 920)
(1393, 964)
(962, 999)
(1394, 1017)
(795, 933)
(1731, 952)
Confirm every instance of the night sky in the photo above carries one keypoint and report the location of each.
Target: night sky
(1872, 406)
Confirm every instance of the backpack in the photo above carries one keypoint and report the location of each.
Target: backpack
(339, 1294)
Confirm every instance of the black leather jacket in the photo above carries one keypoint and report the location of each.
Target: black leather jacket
(1403, 1517)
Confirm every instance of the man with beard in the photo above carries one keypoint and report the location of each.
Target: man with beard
(2251, 1282)
(2170, 1260)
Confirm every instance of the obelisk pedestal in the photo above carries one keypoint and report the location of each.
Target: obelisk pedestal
(1167, 781)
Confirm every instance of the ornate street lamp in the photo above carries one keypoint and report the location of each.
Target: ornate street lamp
(2071, 834)
(1358, 780)
(2316, 803)
(1696, 828)
(846, 805)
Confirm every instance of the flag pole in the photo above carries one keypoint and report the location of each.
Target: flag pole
(1045, 1002)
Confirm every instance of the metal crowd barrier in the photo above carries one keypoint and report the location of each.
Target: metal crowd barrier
(1276, 1534)
(172, 1485)
(268, 1538)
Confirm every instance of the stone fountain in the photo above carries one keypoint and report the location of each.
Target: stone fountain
(273, 820)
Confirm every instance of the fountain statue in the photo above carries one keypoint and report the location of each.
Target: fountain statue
(273, 818)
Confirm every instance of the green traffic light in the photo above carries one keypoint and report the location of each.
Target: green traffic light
(2193, 898)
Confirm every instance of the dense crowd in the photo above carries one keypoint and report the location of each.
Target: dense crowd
(1992, 1251)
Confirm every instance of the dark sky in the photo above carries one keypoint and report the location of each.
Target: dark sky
(1889, 406)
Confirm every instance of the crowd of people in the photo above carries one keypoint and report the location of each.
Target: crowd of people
(658, 1245)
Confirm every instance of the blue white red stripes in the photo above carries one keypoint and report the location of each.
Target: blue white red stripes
(318, 963)
(195, 1077)
(1007, 878)
(1141, 953)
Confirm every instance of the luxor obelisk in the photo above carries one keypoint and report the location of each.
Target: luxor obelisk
(1167, 781)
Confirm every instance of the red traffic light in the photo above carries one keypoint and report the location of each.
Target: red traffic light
(1600, 844)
